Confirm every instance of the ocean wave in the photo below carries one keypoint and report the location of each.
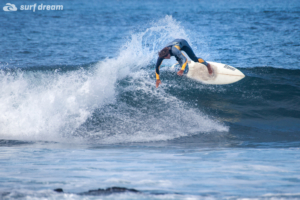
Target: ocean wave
(115, 100)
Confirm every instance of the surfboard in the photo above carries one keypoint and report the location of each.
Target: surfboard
(222, 73)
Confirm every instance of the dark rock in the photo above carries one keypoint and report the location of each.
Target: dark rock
(58, 190)
(107, 191)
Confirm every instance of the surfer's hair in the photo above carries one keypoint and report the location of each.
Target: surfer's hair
(164, 52)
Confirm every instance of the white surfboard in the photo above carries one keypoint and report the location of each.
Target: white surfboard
(222, 73)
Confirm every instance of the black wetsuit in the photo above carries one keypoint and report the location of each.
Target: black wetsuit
(174, 49)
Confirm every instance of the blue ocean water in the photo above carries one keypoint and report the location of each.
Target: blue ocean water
(79, 109)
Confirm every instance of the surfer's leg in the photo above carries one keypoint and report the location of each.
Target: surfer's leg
(188, 50)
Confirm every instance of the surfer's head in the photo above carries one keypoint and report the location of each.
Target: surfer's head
(164, 53)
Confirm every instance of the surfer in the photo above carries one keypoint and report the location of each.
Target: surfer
(174, 49)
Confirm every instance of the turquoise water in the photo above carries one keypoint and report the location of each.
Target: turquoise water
(79, 109)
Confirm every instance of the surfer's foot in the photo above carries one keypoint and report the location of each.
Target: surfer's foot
(210, 71)
(180, 72)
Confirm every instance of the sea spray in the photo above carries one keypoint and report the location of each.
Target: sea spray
(52, 104)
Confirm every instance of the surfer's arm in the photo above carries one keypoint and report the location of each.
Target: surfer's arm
(158, 63)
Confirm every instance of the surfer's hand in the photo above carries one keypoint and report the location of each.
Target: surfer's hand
(157, 83)
(209, 69)
(180, 73)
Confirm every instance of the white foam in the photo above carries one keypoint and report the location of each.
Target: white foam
(39, 105)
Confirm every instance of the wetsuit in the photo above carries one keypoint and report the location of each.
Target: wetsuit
(174, 49)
